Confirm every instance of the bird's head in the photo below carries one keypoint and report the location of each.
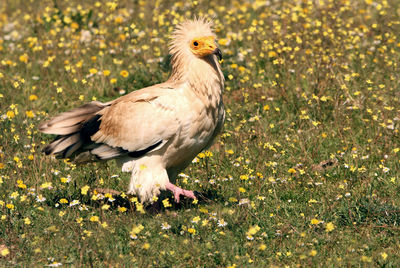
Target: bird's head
(194, 38)
(203, 46)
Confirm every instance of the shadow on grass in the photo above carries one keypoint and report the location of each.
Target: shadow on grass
(117, 201)
(207, 197)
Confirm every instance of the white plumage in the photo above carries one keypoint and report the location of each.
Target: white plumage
(154, 132)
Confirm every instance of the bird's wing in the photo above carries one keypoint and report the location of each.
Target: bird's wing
(139, 122)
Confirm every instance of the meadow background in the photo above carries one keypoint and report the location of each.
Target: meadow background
(305, 173)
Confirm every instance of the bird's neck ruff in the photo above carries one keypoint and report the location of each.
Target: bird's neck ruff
(202, 74)
(186, 68)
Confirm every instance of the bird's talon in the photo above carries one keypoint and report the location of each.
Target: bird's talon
(177, 191)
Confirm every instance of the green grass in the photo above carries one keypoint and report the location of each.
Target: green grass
(305, 83)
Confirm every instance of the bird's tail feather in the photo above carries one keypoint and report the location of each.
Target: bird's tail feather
(61, 143)
(68, 126)
(71, 121)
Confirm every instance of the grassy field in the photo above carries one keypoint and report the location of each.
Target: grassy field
(305, 173)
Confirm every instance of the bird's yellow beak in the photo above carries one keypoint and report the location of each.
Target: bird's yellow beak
(204, 46)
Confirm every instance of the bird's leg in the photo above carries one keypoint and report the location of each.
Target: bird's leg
(177, 191)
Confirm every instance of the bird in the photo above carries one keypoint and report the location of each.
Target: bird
(154, 132)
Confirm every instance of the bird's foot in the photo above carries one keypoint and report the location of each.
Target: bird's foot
(177, 191)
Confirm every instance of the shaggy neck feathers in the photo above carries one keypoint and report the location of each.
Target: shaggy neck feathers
(203, 75)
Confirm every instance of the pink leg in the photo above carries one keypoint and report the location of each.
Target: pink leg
(179, 191)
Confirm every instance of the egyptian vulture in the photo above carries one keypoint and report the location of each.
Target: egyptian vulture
(154, 132)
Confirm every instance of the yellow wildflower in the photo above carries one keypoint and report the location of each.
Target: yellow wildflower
(4, 252)
(124, 73)
(93, 70)
(23, 58)
(85, 189)
(192, 231)
(33, 97)
(329, 227)
(30, 114)
(27, 221)
(315, 221)
(94, 219)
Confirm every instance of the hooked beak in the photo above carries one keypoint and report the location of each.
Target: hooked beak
(217, 52)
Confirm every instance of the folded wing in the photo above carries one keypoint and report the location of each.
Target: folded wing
(133, 125)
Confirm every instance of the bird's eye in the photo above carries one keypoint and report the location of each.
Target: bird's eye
(195, 43)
